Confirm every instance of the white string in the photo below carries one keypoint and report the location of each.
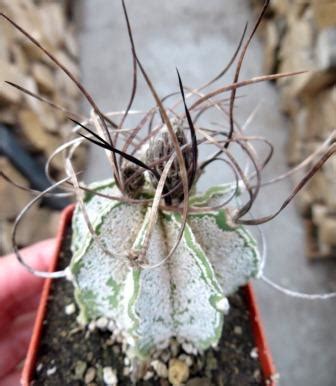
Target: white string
(280, 288)
(296, 294)
(43, 274)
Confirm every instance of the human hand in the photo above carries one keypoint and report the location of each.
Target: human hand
(19, 297)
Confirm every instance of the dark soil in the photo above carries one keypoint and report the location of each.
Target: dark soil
(68, 353)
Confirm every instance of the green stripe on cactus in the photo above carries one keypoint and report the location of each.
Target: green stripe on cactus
(98, 187)
(204, 198)
(135, 285)
(207, 275)
(85, 300)
(200, 257)
(221, 219)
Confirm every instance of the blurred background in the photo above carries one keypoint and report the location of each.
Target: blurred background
(295, 114)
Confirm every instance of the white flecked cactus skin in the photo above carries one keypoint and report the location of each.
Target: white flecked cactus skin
(185, 297)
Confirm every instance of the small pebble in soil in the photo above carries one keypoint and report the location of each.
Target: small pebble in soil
(39, 367)
(254, 353)
(70, 309)
(257, 375)
(89, 356)
(126, 371)
(148, 375)
(51, 371)
(80, 368)
(174, 348)
(211, 361)
(111, 326)
(199, 364)
(187, 359)
(238, 330)
(223, 305)
(199, 382)
(178, 372)
(275, 378)
(90, 375)
(160, 368)
(165, 356)
(189, 348)
(102, 323)
(109, 376)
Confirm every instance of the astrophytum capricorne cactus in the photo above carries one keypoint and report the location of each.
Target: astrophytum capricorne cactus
(184, 297)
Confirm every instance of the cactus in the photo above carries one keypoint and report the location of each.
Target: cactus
(183, 297)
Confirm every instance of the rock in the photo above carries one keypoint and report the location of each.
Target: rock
(102, 323)
(303, 201)
(189, 348)
(272, 38)
(199, 382)
(44, 77)
(9, 72)
(326, 48)
(223, 306)
(149, 375)
(327, 231)
(187, 359)
(319, 212)
(71, 43)
(52, 23)
(69, 63)
(48, 118)
(324, 13)
(80, 368)
(280, 7)
(211, 363)
(8, 116)
(254, 353)
(26, 65)
(19, 58)
(238, 330)
(90, 375)
(14, 198)
(160, 368)
(51, 371)
(34, 131)
(178, 372)
(307, 41)
(111, 326)
(109, 376)
(257, 375)
(174, 348)
(70, 309)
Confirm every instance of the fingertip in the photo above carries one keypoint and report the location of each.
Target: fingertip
(12, 379)
(39, 255)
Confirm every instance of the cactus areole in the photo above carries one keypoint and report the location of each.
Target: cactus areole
(154, 299)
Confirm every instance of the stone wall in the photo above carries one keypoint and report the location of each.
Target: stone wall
(36, 127)
(302, 36)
